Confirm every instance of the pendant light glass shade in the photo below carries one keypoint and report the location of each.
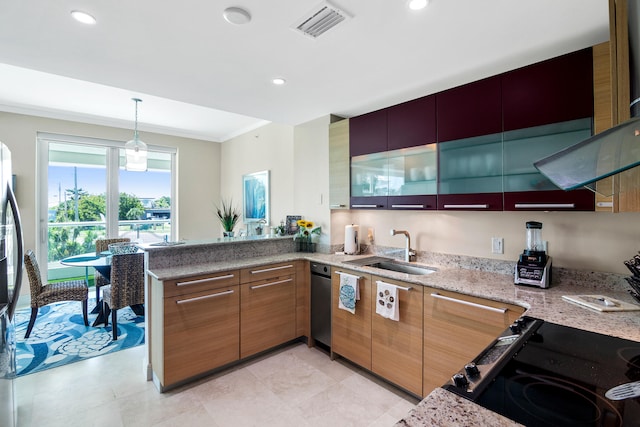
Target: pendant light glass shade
(136, 150)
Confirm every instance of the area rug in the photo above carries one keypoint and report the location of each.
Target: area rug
(60, 337)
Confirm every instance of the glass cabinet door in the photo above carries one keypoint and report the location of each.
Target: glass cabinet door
(523, 147)
(404, 172)
(370, 175)
(413, 171)
(471, 165)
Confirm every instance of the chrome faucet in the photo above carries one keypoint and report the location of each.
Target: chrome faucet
(409, 254)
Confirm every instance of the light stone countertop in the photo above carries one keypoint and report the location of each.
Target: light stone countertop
(442, 408)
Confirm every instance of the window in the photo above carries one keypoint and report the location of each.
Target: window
(85, 193)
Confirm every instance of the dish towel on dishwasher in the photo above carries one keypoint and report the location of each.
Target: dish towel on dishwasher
(349, 292)
(387, 304)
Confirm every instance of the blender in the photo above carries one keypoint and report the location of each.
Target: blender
(534, 266)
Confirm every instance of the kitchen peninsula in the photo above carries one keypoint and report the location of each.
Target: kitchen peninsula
(218, 258)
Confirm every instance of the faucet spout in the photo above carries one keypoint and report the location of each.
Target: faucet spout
(408, 252)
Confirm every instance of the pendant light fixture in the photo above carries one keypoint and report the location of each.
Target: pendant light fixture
(136, 150)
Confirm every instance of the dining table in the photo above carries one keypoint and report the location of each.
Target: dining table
(100, 262)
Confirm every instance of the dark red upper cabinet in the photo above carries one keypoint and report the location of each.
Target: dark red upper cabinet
(552, 91)
(474, 109)
(368, 133)
(412, 123)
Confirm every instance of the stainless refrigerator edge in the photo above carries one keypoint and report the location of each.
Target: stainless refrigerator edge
(11, 253)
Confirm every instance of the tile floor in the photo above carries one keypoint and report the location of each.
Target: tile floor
(295, 386)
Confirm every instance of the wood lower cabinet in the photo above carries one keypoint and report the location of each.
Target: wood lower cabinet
(396, 346)
(195, 325)
(351, 333)
(267, 307)
(457, 328)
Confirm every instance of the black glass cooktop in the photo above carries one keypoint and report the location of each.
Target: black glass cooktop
(560, 377)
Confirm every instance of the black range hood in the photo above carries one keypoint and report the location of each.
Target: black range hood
(612, 151)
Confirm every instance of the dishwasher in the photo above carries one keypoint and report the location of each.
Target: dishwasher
(321, 303)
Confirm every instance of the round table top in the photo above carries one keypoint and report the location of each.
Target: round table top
(86, 260)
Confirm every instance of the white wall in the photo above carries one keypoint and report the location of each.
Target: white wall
(594, 241)
(267, 148)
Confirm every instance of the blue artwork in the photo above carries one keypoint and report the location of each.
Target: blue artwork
(256, 197)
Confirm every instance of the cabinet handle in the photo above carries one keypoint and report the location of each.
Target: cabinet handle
(338, 206)
(604, 204)
(364, 206)
(408, 206)
(545, 205)
(402, 288)
(481, 206)
(219, 294)
(469, 303)
(270, 284)
(266, 270)
(208, 279)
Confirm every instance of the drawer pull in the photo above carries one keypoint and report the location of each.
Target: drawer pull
(545, 206)
(407, 206)
(604, 204)
(208, 279)
(270, 284)
(479, 206)
(219, 294)
(338, 206)
(266, 270)
(402, 288)
(472, 304)
(364, 206)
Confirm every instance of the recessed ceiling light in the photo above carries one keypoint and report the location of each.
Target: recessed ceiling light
(83, 17)
(418, 4)
(278, 81)
(236, 15)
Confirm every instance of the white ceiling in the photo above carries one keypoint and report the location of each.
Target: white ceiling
(201, 77)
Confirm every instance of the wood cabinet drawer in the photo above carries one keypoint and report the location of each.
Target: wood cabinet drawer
(456, 329)
(269, 271)
(267, 314)
(351, 333)
(201, 332)
(201, 283)
(396, 346)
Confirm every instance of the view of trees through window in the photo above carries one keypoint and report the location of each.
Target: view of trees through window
(78, 199)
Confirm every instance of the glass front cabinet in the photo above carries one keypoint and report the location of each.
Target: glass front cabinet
(527, 189)
(397, 179)
(471, 173)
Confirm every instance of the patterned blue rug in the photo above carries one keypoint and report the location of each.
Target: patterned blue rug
(60, 337)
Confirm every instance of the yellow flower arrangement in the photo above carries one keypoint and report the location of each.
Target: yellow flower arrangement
(307, 228)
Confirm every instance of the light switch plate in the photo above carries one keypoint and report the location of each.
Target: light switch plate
(497, 245)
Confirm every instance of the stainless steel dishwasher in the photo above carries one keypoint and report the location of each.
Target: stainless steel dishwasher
(321, 303)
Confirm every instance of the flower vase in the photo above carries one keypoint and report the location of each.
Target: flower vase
(304, 244)
(227, 233)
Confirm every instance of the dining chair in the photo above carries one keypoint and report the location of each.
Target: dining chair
(101, 278)
(126, 287)
(41, 295)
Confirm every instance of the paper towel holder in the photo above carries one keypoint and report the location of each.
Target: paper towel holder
(351, 239)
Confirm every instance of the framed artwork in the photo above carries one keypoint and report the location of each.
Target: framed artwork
(292, 224)
(255, 194)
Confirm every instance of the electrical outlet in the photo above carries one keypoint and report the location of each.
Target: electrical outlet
(497, 245)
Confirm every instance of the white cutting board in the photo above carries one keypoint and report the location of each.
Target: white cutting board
(597, 302)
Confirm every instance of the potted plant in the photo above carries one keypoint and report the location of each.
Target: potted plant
(229, 217)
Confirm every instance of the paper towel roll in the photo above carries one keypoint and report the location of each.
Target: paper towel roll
(351, 243)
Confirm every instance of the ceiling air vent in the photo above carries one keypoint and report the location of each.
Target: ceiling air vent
(321, 19)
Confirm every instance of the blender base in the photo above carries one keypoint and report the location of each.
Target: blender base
(533, 274)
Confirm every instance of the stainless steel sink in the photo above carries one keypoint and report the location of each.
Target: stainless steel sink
(390, 264)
